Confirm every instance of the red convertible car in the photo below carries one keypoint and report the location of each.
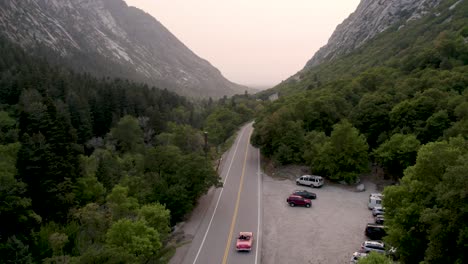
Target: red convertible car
(244, 241)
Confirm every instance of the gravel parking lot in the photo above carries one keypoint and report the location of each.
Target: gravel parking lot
(328, 232)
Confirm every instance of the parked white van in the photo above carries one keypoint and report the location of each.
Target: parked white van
(310, 180)
(375, 199)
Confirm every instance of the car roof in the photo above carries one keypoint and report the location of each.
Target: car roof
(375, 225)
(312, 176)
(373, 242)
(245, 233)
(295, 196)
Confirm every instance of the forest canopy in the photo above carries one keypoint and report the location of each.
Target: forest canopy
(98, 170)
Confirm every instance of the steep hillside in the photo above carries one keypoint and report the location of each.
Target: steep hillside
(106, 37)
(398, 46)
(370, 18)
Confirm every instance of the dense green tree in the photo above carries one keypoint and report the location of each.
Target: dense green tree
(134, 237)
(14, 250)
(397, 153)
(221, 124)
(120, 204)
(177, 200)
(344, 155)
(81, 118)
(197, 175)
(375, 258)
(460, 127)
(290, 143)
(371, 116)
(320, 111)
(163, 159)
(186, 138)
(157, 217)
(48, 158)
(128, 135)
(51, 240)
(107, 170)
(17, 216)
(312, 144)
(8, 130)
(105, 254)
(94, 222)
(426, 213)
(89, 189)
(269, 130)
(435, 126)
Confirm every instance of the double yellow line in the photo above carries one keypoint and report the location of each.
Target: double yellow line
(234, 217)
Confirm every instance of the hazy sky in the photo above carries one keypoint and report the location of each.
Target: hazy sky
(252, 42)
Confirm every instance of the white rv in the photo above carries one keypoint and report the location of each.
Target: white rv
(375, 199)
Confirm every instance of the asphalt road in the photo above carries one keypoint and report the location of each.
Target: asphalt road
(234, 208)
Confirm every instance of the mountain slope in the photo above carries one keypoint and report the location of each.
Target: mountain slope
(407, 39)
(370, 18)
(106, 37)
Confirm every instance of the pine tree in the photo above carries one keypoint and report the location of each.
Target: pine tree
(48, 160)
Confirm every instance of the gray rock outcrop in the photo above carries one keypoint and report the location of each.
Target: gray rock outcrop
(109, 38)
(370, 18)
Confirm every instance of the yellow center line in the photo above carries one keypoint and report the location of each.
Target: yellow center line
(234, 217)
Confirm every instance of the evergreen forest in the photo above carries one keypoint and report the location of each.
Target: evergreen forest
(399, 102)
(99, 170)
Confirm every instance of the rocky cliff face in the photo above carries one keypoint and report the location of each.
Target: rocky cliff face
(370, 18)
(106, 37)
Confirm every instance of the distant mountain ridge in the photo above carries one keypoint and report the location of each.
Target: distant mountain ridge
(370, 18)
(107, 37)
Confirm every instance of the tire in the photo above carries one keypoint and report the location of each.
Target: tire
(307, 205)
(291, 204)
(297, 183)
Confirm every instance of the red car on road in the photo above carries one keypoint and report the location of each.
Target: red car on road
(244, 241)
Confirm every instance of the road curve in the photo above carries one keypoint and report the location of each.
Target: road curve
(235, 207)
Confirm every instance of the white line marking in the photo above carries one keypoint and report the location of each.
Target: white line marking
(219, 198)
(258, 204)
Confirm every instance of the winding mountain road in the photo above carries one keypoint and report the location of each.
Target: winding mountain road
(235, 207)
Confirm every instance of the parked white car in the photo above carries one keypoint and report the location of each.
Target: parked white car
(310, 180)
(357, 256)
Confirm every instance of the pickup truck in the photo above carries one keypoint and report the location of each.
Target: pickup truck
(244, 241)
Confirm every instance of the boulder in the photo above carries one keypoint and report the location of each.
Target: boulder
(360, 188)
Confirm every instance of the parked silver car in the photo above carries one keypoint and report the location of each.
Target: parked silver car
(378, 210)
(373, 245)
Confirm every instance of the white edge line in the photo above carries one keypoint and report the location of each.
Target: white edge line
(258, 203)
(217, 202)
